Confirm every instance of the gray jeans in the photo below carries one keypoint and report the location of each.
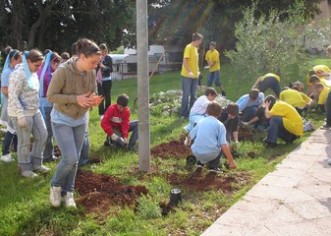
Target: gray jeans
(36, 126)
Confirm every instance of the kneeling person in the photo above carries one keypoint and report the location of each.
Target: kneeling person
(116, 123)
(285, 122)
(209, 137)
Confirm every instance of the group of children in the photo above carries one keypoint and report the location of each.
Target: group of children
(211, 129)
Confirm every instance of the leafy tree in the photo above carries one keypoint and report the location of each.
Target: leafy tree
(57, 23)
(266, 43)
(173, 22)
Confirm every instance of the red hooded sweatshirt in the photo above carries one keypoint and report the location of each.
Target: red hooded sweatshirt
(116, 119)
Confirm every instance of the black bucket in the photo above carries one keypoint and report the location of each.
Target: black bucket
(175, 197)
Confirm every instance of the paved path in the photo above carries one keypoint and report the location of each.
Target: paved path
(294, 200)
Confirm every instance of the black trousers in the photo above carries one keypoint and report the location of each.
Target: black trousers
(104, 89)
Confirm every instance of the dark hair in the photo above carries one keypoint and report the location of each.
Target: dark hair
(271, 99)
(123, 100)
(103, 47)
(210, 91)
(214, 109)
(87, 47)
(14, 54)
(47, 50)
(196, 36)
(65, 55)
(260, 112)
(8, 49)
(314, 78)
(56, 57)
(35, 55)
(232, 109)
(254, 94)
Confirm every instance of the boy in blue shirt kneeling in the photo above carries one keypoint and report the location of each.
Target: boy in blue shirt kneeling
(209, 137)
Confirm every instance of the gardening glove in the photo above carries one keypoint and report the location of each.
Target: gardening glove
(114, 137)
(22, 122)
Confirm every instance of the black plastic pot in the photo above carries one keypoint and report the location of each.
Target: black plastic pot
(175, 197)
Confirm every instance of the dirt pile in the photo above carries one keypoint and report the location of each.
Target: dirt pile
(98, 192)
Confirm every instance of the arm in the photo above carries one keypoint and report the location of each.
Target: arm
(186, 65)
(4, 91)
(226, 150)
(267, 111)
(16, 84)
(106, 122)
(125, 123)
(256, 84)
(235, 136)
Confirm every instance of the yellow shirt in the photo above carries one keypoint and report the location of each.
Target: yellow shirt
(191, 53)
(292, 97)
(291, 119)
(270, 75)
(305, 97)
(317, 68)
(213, 56)
(323, 96)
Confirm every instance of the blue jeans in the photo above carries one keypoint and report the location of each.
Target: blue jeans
(70, 141)
(214, 77)
(248, 113)
(36, 126)
(272, 83)
(189, 88)
(48, 150)
(84, 154)
(276, 129)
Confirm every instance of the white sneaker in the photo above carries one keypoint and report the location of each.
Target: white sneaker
(55, 196)
(28, 174)
(41, 169)
(7, 158)
(69, 200)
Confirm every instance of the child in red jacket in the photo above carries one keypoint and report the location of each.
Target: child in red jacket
(116, 123)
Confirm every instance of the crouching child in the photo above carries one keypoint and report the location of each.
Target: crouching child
(116, 123)
(209, 136)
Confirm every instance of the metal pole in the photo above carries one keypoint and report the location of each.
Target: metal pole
(143, 86)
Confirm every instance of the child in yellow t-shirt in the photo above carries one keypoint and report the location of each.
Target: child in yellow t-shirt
(324, 101)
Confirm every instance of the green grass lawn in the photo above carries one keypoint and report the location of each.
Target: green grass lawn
(24, 204)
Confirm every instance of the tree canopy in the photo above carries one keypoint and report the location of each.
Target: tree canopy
(175, 21)
(56, 24)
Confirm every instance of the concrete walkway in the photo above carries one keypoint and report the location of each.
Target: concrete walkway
(295, 199)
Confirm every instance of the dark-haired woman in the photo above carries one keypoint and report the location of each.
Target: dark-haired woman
(104, 82)
(14, 57)
(23, 110)
(72, 92)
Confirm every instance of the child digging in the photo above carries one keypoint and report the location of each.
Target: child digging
(209, 137)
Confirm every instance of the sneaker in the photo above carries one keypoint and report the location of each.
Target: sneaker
(107, 142)
(7, 158)
(215, 171)
(198, 169)
(55, 196)
(329, 161)
(69, 200)
(28, 174)
(41, 169)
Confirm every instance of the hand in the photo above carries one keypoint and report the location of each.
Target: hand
(97, 99)
(190, 74)
(22, 122)
(232, 165)
(187, 141)
(206, 67)
(114, 137)
(126, 141)
(267, 104)
(85, 100)
(244, 123)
